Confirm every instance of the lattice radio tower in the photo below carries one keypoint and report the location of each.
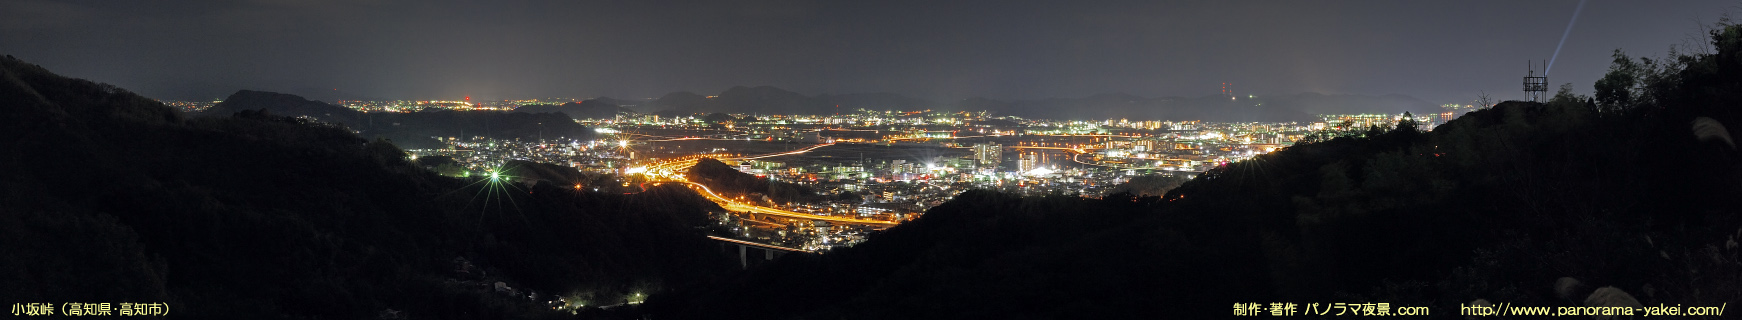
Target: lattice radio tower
(1535, 87)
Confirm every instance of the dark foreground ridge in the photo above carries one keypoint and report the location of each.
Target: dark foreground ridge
(112, 197)
(1530, 204)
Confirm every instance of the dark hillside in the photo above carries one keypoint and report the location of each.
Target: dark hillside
(111, 197)
(729, 182)
(1635, 188)
(285, 105)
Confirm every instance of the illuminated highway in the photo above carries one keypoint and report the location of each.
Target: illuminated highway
(762, 245)
(672, 170)
(730, 204)
(1077, 150)
(942, 138)
(788, 153)
(1115, 166)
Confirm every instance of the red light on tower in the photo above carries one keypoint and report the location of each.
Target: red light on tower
(468, 98)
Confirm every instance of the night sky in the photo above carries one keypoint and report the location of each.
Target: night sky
(1440, 52)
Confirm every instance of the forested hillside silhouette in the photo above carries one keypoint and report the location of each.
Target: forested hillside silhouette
(113, 197)
(727, 181)
(1635, 188)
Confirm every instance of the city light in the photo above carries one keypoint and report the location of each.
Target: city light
(862, 188)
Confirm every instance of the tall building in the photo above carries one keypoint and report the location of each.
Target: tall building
(1144, 145)
(1028, 161)
(1359, 121)
(988, 155)
(1364, 121)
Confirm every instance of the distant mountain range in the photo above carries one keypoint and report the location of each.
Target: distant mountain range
(413, 130)
(284, 105)
(602, 108)
(1295, 107)
(772, 100)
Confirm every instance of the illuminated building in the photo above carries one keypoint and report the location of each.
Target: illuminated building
(988, 155)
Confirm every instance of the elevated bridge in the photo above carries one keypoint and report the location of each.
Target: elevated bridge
(763, 252)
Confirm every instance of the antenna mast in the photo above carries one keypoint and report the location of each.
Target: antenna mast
(1535, 87)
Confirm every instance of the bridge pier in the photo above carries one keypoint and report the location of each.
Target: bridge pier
(745, 254)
